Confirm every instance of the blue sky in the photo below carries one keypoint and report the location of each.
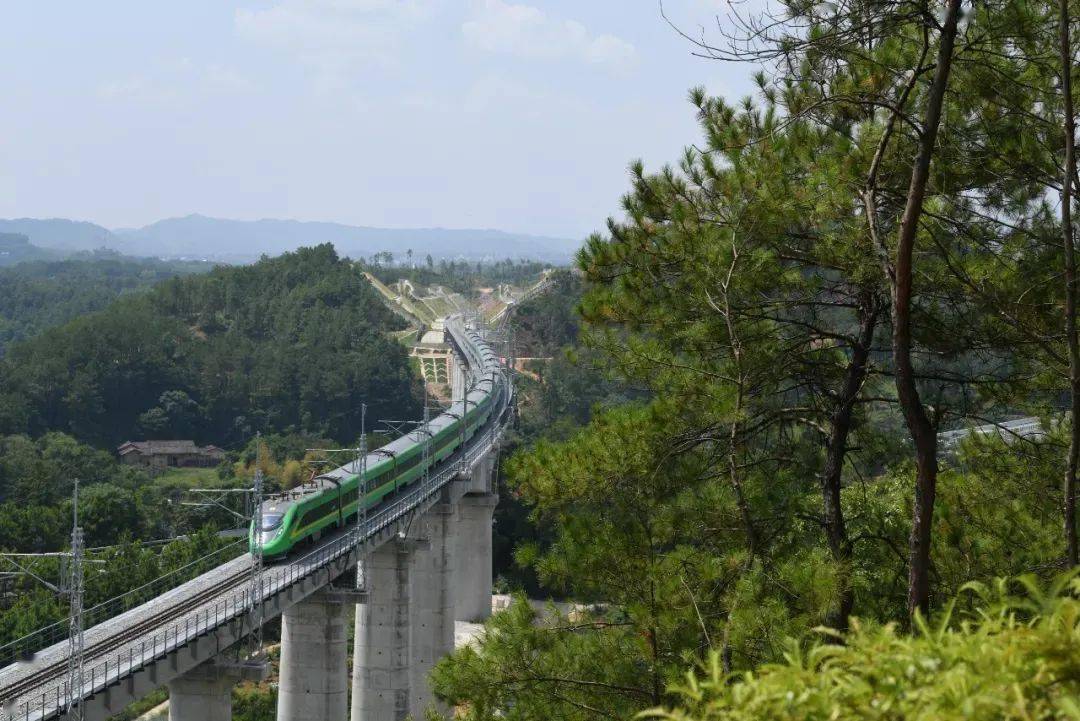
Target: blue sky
(400, 113)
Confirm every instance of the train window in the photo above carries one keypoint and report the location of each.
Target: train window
(271, 521)
(410, 464)
(320, 511)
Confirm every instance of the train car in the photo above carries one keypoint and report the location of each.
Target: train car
(331, 500)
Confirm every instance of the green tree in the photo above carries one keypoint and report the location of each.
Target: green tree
(38, 295)
(655, 542)
(293, 343)
(107, 513)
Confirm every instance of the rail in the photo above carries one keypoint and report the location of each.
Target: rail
(207, 615)
(1030, 427)
(53, 633)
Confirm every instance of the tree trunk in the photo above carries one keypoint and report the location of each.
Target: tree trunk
(919, 426)
(836, 452)
(1069, 500)
(736, 482)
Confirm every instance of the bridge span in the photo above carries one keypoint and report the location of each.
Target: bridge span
(427, 558)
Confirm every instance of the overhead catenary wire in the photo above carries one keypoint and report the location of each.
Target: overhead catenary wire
(406, 506)
(52, 631)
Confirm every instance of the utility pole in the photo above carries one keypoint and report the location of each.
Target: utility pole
(361, 509)
(427, 441)
(76, 640)
(511, 351)
(255, 592)
(71, 584)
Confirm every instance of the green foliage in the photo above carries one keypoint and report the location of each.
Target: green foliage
(291, 344)
(655, 542)
(765, 489)
(143, 705)
(555, 398)
(564, 393)
(116, 570)
(16, 248)
(998, 515)
(40, 472)
(116, 501)
(548, 322)
(529, 672)
(460, 276)
(254, 703)
(1016, 657)
(35, 296)
(105, 508)
(653, 539)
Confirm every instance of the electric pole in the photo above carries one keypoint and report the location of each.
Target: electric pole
(255, 593)
(76, 640)
(361, 509)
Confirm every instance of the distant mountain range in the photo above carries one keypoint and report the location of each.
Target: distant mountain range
(196, 236)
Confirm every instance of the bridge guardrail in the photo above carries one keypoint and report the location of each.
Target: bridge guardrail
(55, 632)
(103, 674)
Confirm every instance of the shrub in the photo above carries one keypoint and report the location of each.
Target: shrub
(1015, 657)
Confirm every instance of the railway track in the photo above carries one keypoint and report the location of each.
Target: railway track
(12, 693)
(43, 695)
(122, 651)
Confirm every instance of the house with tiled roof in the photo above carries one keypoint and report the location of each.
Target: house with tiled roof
(159, 455)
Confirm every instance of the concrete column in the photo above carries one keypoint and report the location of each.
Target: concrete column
(482, 478)
(313, 684)
(472, 579)
(202, 694)
(380, 682)
(433, 604)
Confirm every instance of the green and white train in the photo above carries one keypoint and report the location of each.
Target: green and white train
(331, 500)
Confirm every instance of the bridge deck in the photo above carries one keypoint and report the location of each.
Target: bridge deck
(217, 605)
(136, 639)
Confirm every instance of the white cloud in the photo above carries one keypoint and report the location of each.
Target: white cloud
(219, 77)
(506, 101)
(335, 39)
(175, 83)
(494, 92)
(526, 31)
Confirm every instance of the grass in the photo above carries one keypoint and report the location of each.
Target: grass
(408, 337)
(190, 478)
(438, 306)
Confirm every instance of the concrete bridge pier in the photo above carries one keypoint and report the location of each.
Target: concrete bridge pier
(202, 694)
(433, 604)
(381, 648)
(205, 692)
(472, 579)
(482, 478)
(314, 681)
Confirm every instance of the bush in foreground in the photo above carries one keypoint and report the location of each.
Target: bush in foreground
(1016, 657)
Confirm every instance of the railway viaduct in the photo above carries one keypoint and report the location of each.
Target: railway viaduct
(427, 563)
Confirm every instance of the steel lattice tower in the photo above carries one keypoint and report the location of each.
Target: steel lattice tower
(361, 509)
(255, 592)
(76, 640)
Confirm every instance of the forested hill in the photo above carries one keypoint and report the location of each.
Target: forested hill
(549, 321)
(16, 248)
(293, 343)
(41, 294)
